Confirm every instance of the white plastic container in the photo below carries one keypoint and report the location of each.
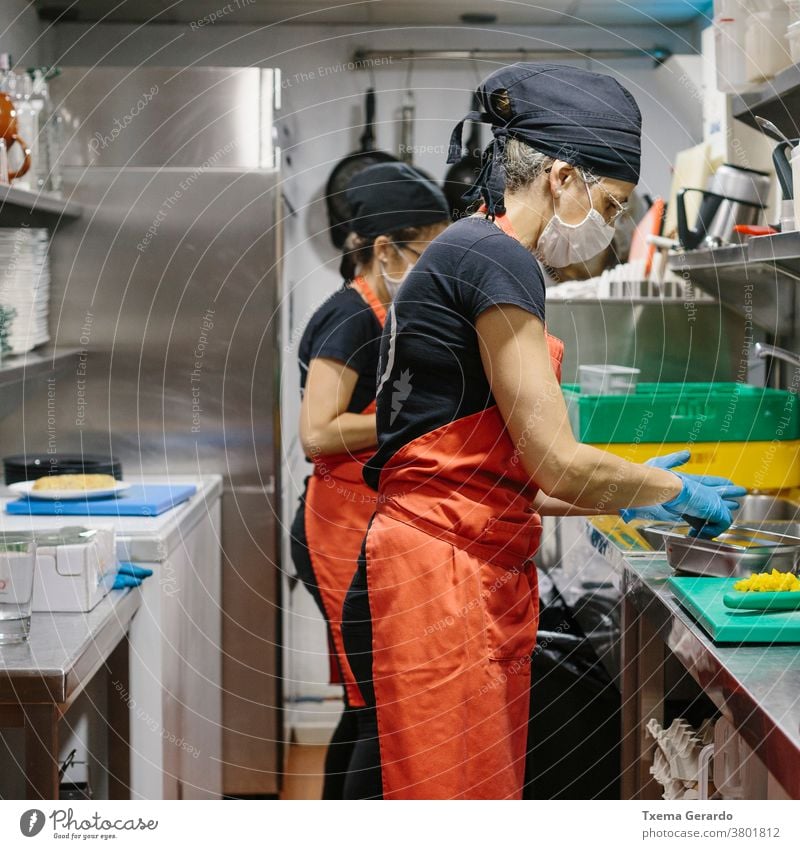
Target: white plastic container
(766, 44)
(607, 379)
(793, 37)
(793, 7)
(730, 31)
(795, 160)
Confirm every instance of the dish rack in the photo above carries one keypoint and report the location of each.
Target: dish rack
(681, 758)
(629, 280)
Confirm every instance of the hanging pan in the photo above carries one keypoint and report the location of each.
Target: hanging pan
(461, 175)
(338, 210)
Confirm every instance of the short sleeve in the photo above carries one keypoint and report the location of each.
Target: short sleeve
(346, 331)
(499, 270)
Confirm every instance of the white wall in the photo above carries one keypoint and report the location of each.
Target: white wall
(320, 122)
(22, 34)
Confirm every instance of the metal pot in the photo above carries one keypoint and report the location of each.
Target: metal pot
(735, 195)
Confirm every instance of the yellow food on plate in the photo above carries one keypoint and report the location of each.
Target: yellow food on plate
(769, 582)
(82, 482)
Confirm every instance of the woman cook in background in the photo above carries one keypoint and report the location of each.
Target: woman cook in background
(473, 437)
(396, 212)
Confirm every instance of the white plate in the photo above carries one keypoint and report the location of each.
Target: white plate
(26, 488)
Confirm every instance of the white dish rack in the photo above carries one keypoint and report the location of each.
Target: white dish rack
(681, 758)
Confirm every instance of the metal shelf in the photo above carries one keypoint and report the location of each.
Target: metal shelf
(21, 208)
(758, 279)
(778, 101)
(782, 249)
(17, 370)
(18, 367)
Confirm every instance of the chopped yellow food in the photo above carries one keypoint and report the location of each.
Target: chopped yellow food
(51, 482)
(769, 582)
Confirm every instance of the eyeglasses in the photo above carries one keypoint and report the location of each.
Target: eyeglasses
(398, 248)
(622, 208)
(592, 180)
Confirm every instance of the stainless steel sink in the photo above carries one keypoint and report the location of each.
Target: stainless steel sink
(757, 508)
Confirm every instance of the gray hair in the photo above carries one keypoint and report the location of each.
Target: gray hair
(522, 165)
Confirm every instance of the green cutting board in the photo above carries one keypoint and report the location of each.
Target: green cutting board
(702, 597)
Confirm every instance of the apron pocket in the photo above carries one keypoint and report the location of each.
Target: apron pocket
(510, 609)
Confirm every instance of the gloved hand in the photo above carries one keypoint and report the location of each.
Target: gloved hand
(130, 575)
(656, 512)
(708, 498)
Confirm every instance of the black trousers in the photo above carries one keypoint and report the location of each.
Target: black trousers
(343, 743)
(364, 778)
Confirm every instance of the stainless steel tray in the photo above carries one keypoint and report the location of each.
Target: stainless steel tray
(739, 551)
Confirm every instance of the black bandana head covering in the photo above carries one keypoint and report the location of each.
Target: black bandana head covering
(392, 195)
(577, 116)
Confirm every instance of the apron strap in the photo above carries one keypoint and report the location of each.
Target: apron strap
(366, 292)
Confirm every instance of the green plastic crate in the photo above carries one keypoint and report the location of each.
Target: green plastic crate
(684, 412)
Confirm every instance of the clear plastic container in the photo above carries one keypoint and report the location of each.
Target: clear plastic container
(766, 43)
(730, 31)
(607, 379)
(793, 7)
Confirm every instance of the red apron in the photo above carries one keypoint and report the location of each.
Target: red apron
(454, 601)
(339, 506)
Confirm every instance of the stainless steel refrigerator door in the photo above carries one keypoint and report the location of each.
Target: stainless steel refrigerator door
(170, 284)
(154, 116)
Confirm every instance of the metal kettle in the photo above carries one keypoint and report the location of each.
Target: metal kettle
(735, 195)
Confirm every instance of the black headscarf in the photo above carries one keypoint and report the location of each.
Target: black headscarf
(577, 116)
(392, 195)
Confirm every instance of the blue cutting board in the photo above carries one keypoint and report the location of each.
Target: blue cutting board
(702, 597)
(139, 500)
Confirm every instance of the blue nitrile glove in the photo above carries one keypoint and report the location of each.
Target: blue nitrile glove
(655, 512)
(122, 581)
(708, 498)
(130, 575)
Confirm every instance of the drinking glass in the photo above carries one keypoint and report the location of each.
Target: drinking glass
(17, 562)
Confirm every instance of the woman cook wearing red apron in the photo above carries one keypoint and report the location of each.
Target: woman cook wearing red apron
(396, 212)
(474, 444)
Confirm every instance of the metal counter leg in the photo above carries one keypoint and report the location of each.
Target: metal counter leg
(41, 750)
(643, 655)
(119, 723)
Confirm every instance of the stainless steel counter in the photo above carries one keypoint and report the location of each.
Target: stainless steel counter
(65, 650)
(756, 687)
(41, 678)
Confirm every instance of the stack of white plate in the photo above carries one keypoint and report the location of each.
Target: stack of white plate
(25, 286)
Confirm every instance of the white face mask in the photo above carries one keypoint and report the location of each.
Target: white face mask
(394, 283)
(561, 244)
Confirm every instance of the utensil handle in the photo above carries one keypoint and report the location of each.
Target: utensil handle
(368, 136)
(762, 601)
(26, 162)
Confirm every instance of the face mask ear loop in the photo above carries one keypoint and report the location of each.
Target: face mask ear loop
(591, 205)
(387, 278)
(409, 265)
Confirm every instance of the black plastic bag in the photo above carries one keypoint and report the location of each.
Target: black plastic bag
(574, 730)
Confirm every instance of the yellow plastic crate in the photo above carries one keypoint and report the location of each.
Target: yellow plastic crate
(756, 465)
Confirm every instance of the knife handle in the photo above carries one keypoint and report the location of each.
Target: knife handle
(789, 600)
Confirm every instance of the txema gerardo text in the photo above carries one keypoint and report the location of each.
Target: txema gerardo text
(677, 816)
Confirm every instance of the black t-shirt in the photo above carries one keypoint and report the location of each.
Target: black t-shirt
(344, 328)
(430, 371)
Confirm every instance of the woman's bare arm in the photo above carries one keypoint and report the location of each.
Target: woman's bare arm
(516, 360)
(545, 505)
(325, 425)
